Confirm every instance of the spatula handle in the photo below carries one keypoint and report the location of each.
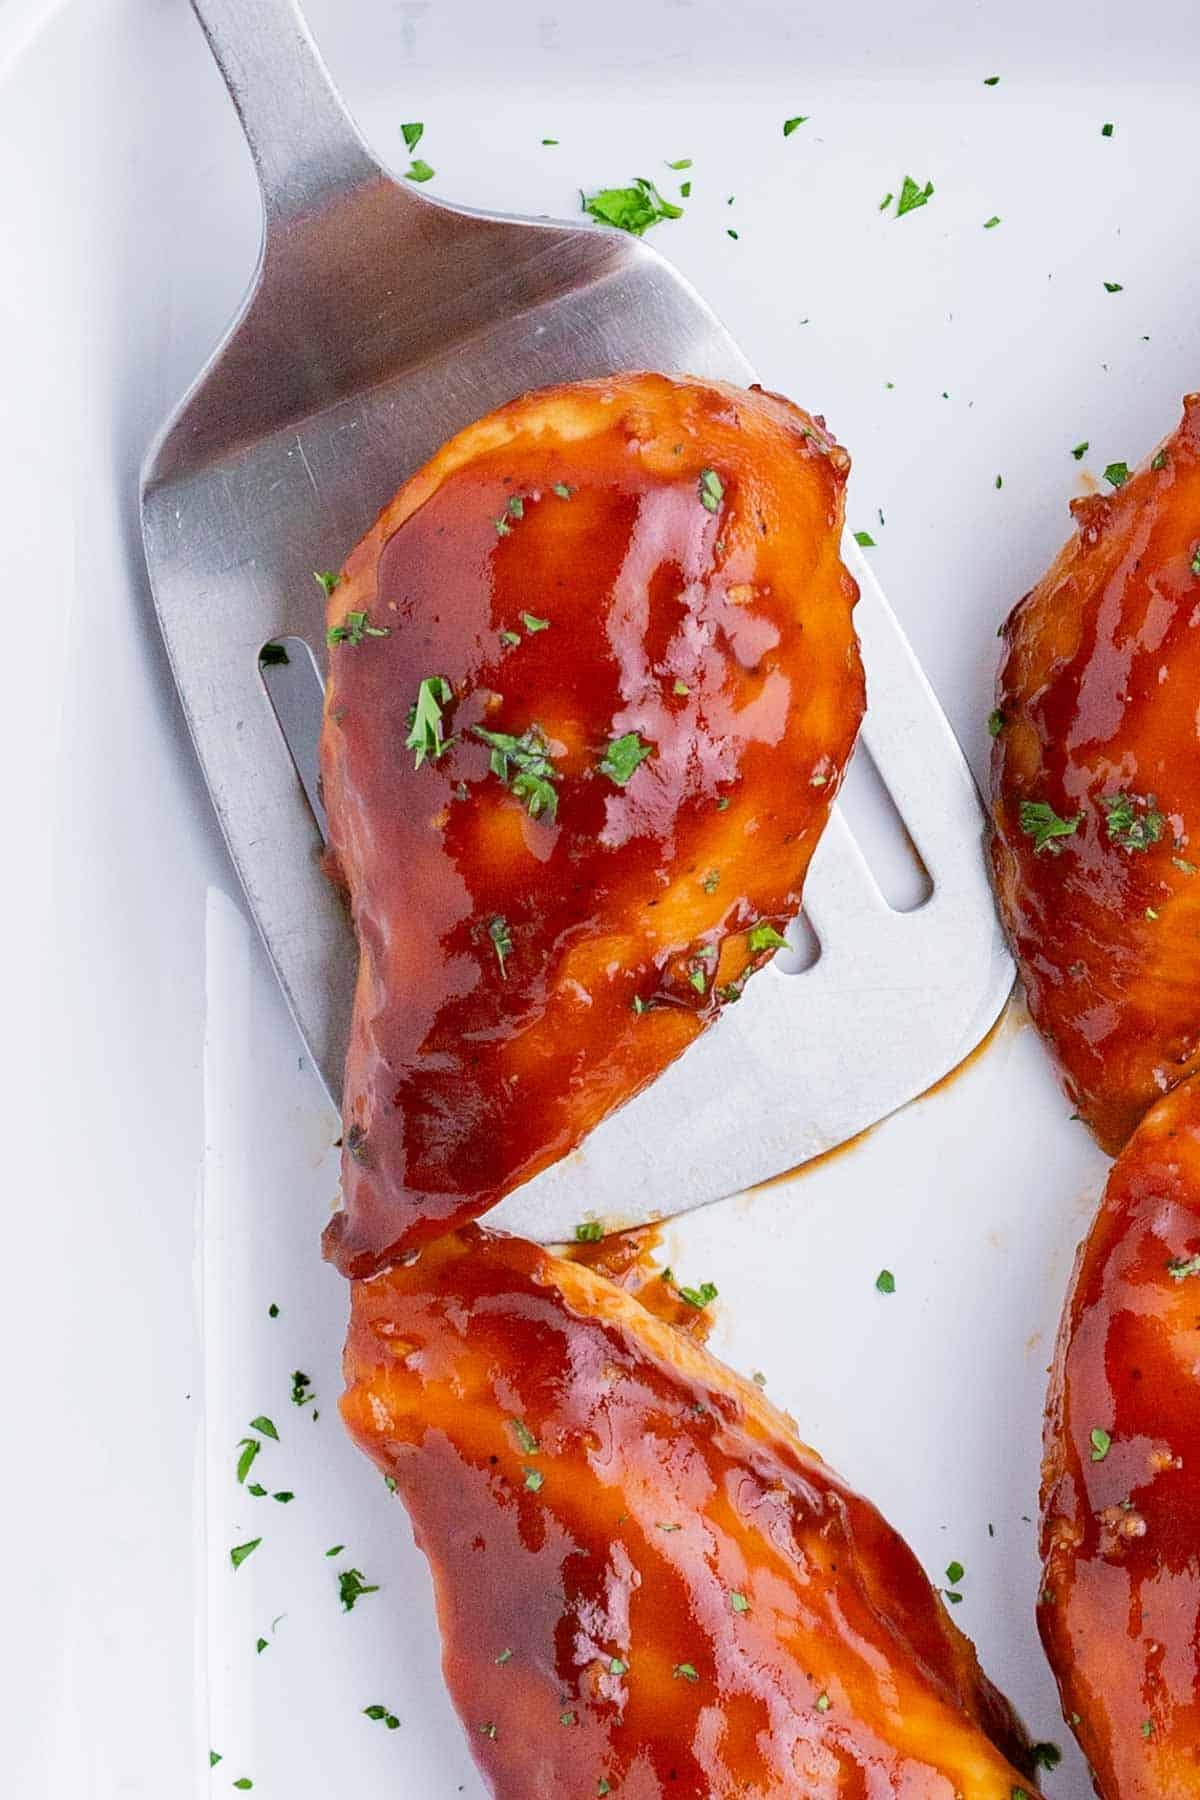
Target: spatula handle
(303, 140)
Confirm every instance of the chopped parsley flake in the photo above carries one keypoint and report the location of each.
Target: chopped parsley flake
(886, 202)
(284, 1497)
(352, 1587)
(990, 224)
(711, 882)
(532, 623)
(504, 1657)
(1180, 1267)
(864, 540)
(273, 656)
(326, 580)
(590, 1232)
(260, 1646)
(699, 1297)
(566, 1718)
(524, 1437)
(214, 1757)
(698, 978)
(912, 196)
(1106, 129)
(739, 1602)
(618, 1666)
(954, 1573)
(335, 1550)
(1127, 826)
(523, 764)
(425, 737)
(501, 942)
(412, 134)
(381, 1715)
(995, 722)
(990, 80)
(489, 1731)
(1147, 1728)
(562, 490)
(1046, 1756)
(263, 1424)
(1101, 1443)
(272, 1311)
(790, 125)
(712, 490)
(634, 209)
(1114, 287)
(684, 1672)
(301, 1383)
(419, 171)
(353, 629)
(238, 1556)
(1117, 474)
(885, 1282)
(1040, 822)
(510, 639)
(1160, 460)
(685, 191)
(684, 162)
(623, 756)
(249, 1448)
(1080, 451)
(258, 1490)
(533, 1480)
(823, 1703)
(765, 937)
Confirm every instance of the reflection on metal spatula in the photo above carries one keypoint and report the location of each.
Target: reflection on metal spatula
(378, 324)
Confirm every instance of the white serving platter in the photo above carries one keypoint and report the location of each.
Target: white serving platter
(169, 1157)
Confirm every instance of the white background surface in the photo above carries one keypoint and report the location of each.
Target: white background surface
(130, 225)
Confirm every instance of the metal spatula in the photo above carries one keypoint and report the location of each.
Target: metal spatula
(378, 323)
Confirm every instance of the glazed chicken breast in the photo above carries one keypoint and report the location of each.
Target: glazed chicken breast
(1096, 791)
(647, 1586)
(593, 685)
(1120, 1604)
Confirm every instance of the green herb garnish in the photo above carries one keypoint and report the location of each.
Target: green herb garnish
(533, 1480)
(765, 937)
(273, 656)
(263, 1424)
(1117, 474)
(885, 1282)
(739, 1602)
(1180, 1267)
(412, 134)
(712, 490)
(523, 764)
(864, 540)
(353, 629)
(381, 1715)
(301, 1383)
(326, 580)
(823, 1703)
(1106, 129)
(790, 125)
(634, 209)
(249, 1448)
(238, 1556)
(684, 1672)
(990, 224)
(954, 1573)
(1101, 1443)
(532, 623)
(524, 1437)
(501, 942)
(1040, 822)
(912, 196)
(419, 171)
(1127, 826)
(1113, 287)
(699, 1297)
(589, 1232)
(352, 1587)
(1080, 451)
(623, 756)
(995, 722)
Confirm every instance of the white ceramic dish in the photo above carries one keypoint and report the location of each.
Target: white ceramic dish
(147, 1056)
